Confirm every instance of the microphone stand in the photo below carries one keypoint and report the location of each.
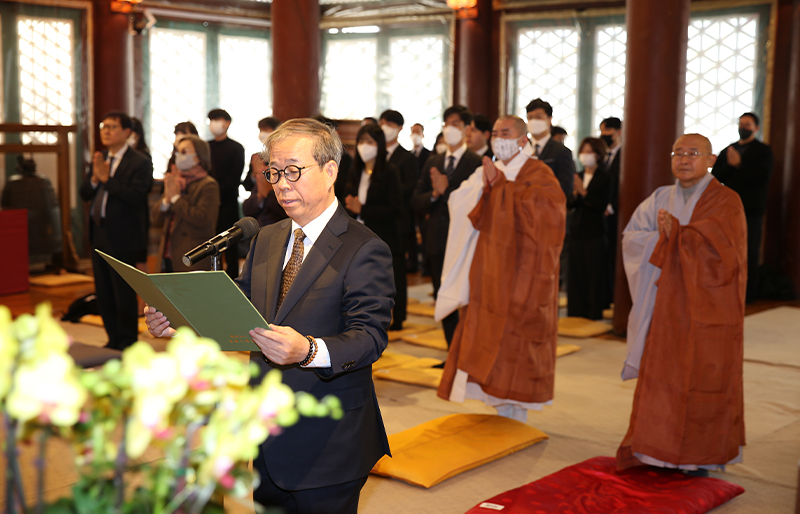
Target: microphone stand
(215, 262)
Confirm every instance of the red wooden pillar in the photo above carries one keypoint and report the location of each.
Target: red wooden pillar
(112, 81)
(295, 58)
(655, 79)
(474, 68)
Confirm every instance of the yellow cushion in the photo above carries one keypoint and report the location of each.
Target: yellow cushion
(609, 313)
(421, 309)
(581, 327)
(60, 280)
(391, 360)
(444, 447)
(566, 349)
(431, 339)
(409, 328)
(425, 377)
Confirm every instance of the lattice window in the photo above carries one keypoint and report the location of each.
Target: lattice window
(609, 78)
(177, 87)
(415, 85)
(720, 75)
(245, 87)
(547, 66)
(47, 79)
(349, 86)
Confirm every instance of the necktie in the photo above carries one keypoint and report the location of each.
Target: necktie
(536, 151)
(293, 266)
(100, 198)
(451, 166)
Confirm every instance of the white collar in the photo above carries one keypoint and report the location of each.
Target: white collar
(511, 170)
(541, 142)
(119, 153)
(458, 153)
(482, 150)
(314, 228)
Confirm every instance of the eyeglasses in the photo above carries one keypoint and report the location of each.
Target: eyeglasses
(291, 172)
(690, 155)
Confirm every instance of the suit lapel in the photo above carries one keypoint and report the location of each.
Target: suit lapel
(318, 257)
(275, 255)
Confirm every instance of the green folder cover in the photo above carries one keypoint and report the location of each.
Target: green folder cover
(206, 301)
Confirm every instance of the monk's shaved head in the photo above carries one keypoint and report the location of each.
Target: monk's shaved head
(698, 141)
(691, 159)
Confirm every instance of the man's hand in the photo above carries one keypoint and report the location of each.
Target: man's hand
(439, 182)
(664, 222)
(281, 345)
(352, 204)
(490, 172)
(100, 169)
(157, 323)
(577, 186)
(733, 156)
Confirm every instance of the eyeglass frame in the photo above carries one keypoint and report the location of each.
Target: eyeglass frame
(278, 172)
(692, 156)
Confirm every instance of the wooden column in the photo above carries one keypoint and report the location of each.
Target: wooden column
(655, 79)
(112, 82)
(295, 58)
(474, 69)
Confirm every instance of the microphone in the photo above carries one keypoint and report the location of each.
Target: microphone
(245, 228)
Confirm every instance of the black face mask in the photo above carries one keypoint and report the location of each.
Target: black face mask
(745, 134)
(608, 139)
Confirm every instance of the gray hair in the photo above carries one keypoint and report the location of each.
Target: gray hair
(201, 150)
(519, 124)
(326, 145)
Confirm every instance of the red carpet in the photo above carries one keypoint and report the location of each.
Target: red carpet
(596, 487)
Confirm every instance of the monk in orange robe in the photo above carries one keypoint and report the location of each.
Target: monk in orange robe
(504, 349)
(688, 409)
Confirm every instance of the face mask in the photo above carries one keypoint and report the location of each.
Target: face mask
(390, 132)
(589, 160)
(416, 139)
(537, 126)
(367, 152)
(745, 133)
(452, 135)
(217, 127)
(505, 149)
(609, 140)
(184, 161)
(441, 148)
(263, 135)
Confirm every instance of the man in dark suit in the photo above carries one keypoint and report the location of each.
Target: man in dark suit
(442, 174)
(746, 167)
(547, 149)
(324, 283)
(419, 150)
(611, 134)
(479, 135)
(117, 186)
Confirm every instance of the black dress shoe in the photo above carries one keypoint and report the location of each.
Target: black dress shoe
(440, 366)
(395, 326)
(699, 472)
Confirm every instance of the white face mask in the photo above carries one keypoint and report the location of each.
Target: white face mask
(589, 160)
(390, 133)
(452, 135)
(536, 127)
(416, 139)
(441, 148)
(505, 149)
(367, 152)
(184, 161)
(217, 127)
(263, 135)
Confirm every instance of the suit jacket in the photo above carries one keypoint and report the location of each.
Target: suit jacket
(422, 158)
(382, 211)
(343, 293)
(559, 158)
(438, 221)
(126, 208)
(406, 163)
(751, 178)
(612, 168)
(587, 216)
(193, 221)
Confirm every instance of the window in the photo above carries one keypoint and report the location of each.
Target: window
(609, 73)
(404, 70)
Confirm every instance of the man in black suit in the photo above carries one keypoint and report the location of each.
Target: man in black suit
(419, 150)
(324, 283)
(442, 174)
(117, 186)
(547, 149)
(611, 134)
(391, 122)
(479, 135)
(746, 166)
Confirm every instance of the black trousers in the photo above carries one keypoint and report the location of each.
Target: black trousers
(338, 499)
(754, 224)
(586, 288)
(449, 323)
(116, 300)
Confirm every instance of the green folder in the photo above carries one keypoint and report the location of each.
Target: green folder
(206, 301)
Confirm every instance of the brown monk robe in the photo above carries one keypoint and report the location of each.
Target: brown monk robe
(506, 339)
(688, 409)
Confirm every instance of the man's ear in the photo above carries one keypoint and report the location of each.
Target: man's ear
(332, 171)
(711, 160)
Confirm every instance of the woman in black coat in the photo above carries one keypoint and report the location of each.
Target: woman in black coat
(587, 233)
(374, 197)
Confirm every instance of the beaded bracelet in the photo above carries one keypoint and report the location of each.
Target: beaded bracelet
(312, 351)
